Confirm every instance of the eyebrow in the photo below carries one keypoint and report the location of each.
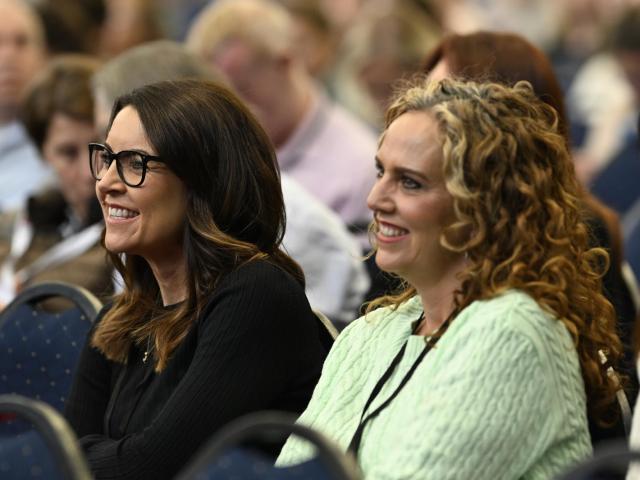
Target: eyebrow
(137, 150)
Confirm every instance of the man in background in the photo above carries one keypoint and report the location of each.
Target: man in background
(22, 54)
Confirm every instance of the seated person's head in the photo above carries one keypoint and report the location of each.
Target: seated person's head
(486, 158)
(58, 114)
(139, 66)
(497, 57)
(23, 46)
(257, 56)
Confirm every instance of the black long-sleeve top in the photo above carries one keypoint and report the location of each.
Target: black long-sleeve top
(255, 347)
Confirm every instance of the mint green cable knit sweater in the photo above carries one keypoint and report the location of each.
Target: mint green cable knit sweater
(500, 396)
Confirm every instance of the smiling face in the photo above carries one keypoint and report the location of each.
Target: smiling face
(410, 202)
(148, 220)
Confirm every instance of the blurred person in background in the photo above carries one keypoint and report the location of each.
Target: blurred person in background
(55, 236)
(129, 23)
(72, 26)
(616, 170)
(387, 41)
(314, 37)
(509, 58)
(603, 105)
(318, 142)
(22, 54)
(336, 279)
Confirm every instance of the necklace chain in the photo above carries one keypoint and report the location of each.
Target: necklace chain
(145, 357)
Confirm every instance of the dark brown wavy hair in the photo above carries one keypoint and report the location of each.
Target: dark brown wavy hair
(235, 211)
(514, 188)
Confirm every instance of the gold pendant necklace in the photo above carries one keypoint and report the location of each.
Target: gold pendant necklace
(147, 351)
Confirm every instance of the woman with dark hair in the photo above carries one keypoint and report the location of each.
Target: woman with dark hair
(481, 366)
(213, 322)
(509, 58)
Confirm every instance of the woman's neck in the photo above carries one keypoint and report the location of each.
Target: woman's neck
(438, 300)
(171, 277)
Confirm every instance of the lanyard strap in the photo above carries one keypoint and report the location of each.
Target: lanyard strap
(354, 444)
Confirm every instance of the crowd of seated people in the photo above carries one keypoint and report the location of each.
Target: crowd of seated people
(223, 183)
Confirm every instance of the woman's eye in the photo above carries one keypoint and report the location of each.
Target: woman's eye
(410, 183)
(105, 159)
(379, 172)
(135, 163)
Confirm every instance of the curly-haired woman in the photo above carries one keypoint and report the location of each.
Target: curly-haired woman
(481, 367)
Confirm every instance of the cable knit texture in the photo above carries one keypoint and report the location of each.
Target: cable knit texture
(501, 396)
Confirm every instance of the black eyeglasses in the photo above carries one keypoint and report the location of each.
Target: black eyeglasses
(130, 164)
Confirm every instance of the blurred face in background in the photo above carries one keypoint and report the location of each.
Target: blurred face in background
(258, 79)
(65, 149)
(22, 54)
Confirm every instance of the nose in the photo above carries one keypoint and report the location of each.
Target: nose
(110, 182)
(379, 199)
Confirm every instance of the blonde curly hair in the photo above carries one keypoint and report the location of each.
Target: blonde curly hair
(518, 214)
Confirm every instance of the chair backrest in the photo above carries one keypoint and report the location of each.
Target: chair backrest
(226, 456)
(37, 442)
(611, 461)
(40, 347)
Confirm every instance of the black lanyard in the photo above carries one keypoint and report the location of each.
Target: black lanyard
(354, 445)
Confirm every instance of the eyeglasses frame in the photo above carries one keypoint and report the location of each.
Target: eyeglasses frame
(146, 158)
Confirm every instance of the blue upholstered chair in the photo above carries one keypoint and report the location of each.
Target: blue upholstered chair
(42, 332)
(238, 452)
(36, 442)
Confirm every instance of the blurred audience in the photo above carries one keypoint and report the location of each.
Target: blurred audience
(55, 236)
(386, 43)
(129, 23)
(72, 26)
(318, 142)
(604, 103)
(336, 279)
(22, 54)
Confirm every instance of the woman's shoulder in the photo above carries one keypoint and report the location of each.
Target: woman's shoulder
(384, 322)
(513, 314)
(261, 272)
(260, 286)
(520, 307)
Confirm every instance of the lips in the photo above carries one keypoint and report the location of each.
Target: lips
(390, 230)
(120, 212)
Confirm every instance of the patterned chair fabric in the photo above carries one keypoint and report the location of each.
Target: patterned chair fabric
(36, 442)
(239, 451)
(39, 348)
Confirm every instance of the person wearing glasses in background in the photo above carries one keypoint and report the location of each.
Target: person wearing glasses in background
(213, 322)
